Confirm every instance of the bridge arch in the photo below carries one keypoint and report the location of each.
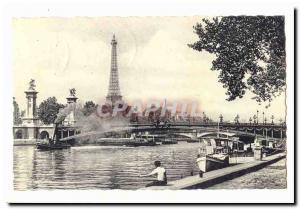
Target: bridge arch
(19, 134)
(215, 134)
(44, 135)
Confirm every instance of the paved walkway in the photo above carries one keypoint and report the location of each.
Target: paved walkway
(220, 175)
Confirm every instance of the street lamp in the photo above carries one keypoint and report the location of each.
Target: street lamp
(257, 116)
(237, 119)
(281, 124)
(254, 118)
(263, 117)
(221, 118)
(272, 117)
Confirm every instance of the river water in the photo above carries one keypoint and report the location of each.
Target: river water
(99, 167)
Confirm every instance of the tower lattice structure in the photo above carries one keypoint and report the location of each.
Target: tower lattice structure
(114, 93)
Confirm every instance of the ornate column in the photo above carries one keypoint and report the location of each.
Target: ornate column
(71, 100)
(31, 95)
(30, 121)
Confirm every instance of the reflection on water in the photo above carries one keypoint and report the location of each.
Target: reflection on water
(99, 167)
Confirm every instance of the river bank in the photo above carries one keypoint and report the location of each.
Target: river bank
(271, 177)
(218, 176)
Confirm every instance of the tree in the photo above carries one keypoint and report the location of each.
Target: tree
(250, 53)
(23, 113)
(17, 115)
(89, 108)
(48, 110)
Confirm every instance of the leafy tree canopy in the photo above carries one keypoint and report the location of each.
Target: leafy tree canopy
(250, 53)
(48, 110)
(89, 108)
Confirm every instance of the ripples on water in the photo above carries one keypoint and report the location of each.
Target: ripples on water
(99, 167)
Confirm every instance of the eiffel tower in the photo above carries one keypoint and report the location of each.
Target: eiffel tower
(114, 93)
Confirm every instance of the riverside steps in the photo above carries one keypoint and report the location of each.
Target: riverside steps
(220, 175)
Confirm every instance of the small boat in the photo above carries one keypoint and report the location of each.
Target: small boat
(213, 162)
(192, 140)
(54, 146)
(158, 142)
(215, 151)
(169, 141)
(140, 142)
(52, 143)
(112, 141)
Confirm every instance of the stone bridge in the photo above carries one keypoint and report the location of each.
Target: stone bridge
(245, 132)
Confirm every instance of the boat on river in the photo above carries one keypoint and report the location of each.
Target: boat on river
(169, 141)
(140, 142)
(152, 140)
(52, 143)
(213, 162)
(52, 146)
(190, 140)
(213, 156)
(132, 141)
(215, 152)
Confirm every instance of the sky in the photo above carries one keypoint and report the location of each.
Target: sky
(154, 63)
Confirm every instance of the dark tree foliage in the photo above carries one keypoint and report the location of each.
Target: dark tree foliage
(48, 110)
(89, 108)
(250, 53)
(22, 113)
(16, 113)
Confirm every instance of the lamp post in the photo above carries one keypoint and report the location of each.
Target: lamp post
(263, 117)
(257, 116)
(254, 119)
(272, 117)
(254, 123)
(221, 118)
(265, 121)
(236, 143)
(280, 120)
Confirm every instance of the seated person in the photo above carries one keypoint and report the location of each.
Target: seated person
(161, 175)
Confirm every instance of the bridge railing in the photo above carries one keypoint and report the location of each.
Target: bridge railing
(205, 124)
